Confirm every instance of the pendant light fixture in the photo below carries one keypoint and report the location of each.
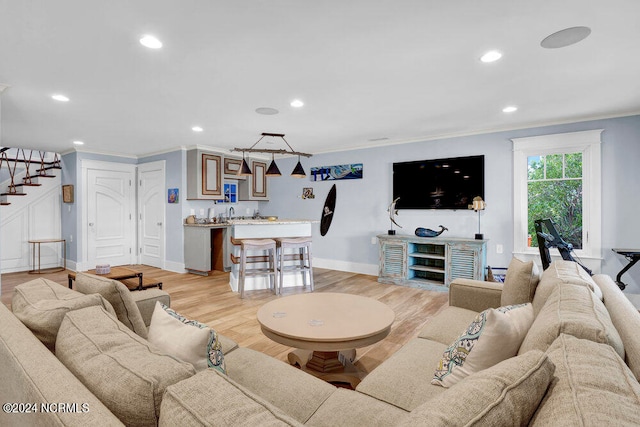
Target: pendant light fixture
(298, 171)
(244, 170)
(273, 170)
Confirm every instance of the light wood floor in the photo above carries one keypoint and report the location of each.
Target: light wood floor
(210, 300)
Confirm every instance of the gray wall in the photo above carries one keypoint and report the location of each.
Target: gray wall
(361, 205)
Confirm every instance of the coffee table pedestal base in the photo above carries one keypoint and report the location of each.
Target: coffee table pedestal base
(327, 366)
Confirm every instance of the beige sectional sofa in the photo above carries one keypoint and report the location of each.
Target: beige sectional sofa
(578, 364)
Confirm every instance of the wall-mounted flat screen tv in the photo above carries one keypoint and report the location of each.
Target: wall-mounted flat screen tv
(439, 183)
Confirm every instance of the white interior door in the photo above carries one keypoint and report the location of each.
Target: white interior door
(151, 193)
(110, 214)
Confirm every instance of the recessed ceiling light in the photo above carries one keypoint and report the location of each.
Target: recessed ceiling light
(78, 143)
(59, 97)
(151, 42)
(491, 56)
(197, 129)
(566, 37)
(296, 103)
(510, 109)
(267, 111)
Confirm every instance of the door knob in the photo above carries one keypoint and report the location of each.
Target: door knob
(90, 224)
(159, 223)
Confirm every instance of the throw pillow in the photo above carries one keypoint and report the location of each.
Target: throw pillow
(519, 283)
(506, 394)
(126, 372)
(188, 340)
(573, 310)
(118, 295)
(41, 304)
(493, 336)
(592, 386)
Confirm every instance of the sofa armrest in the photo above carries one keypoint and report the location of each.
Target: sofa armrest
(474, 295)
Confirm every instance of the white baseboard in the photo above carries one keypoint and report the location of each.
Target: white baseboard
(176, 267)
(351, 267)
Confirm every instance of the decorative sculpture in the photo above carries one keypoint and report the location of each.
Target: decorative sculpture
(392, 212)
(427, 232)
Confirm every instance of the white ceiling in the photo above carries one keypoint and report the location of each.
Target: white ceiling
(366, 69)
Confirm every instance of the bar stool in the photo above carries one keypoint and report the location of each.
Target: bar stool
(262, 245)
(303, 247)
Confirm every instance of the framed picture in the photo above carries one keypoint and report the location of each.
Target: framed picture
(67, 193)
(173, 195)
(307, 193)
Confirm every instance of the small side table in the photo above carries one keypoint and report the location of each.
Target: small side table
(36, 247)
(633, 256)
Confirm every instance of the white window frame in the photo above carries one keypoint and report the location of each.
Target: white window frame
(587, 142)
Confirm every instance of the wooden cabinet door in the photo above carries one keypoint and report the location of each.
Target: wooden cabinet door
(259, 180)
(211, 175)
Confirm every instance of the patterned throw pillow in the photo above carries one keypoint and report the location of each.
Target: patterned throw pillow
(188, 340)
(493, 336)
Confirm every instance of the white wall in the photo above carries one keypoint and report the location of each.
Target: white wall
(361, 205)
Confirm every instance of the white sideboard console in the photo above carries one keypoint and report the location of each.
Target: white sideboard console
(429, 262)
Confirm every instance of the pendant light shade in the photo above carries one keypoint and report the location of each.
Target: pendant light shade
(298, 171)
(273, 170)
(244, 170)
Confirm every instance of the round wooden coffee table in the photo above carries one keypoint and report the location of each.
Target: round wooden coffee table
(325, 325)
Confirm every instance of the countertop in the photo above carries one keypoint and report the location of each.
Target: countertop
(250, 221)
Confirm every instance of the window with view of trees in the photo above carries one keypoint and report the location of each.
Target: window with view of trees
(554, 190)
(558, 177)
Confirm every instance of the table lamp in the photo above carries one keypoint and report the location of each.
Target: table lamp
(478, 205)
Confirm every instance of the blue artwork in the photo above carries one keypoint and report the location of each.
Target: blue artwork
(173, 195)
(332, 173)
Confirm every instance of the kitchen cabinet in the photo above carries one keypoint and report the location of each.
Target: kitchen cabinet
(204, 175)
(255, 186)
(231, 167)
(205, 249)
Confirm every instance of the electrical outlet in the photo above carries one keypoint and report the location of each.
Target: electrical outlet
(71, 238)
(499, 249)
(374, 240)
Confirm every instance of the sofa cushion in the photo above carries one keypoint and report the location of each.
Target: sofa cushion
(118, 295)
(404, 379)
(213, 399)
(146, 301)
(29, 372)
(41, 304)
(293, 391)
(506, 394)
(561, 272)
(447, 325)
(493, 336)
(585, 393)
(350, 408)
(573, 310)
(188, 340)
(624, 317)
(520, 282)
(127, 373)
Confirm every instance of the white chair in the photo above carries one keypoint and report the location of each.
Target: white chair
(298, 251)
(253, 245)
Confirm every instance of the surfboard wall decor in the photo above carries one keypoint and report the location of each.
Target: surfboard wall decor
(327, 211)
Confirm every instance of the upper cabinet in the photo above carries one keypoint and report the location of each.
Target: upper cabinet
(204, 175)
(255, 186)
(232, 166)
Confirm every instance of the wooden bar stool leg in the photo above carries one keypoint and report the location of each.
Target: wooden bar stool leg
(310, 270)
(243, 266)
